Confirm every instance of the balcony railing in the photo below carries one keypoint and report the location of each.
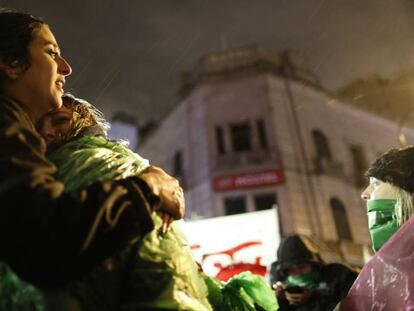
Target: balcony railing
(249, 158)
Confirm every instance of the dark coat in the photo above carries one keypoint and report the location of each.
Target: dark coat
(334, 282)
(47, 236)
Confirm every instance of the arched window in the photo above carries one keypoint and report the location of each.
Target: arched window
(360, 165)
(178, 168)
(178, 164)
(341, 220)
(323, 152)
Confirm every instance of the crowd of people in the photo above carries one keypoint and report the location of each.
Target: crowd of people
(87, 224)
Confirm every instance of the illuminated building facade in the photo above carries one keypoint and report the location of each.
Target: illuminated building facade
(253, 129)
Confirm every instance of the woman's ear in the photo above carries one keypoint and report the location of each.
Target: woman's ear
(12, 70)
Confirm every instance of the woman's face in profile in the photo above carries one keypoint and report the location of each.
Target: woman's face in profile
(41, 85)
(378, 189)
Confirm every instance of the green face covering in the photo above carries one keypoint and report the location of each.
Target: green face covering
(381, 221)
(308, 280)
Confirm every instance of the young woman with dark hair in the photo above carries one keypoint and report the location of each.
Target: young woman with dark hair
(46, 235)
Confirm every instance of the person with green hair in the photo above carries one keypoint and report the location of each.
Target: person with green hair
(158, 272)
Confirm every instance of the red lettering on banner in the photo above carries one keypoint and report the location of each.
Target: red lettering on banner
(248, 180)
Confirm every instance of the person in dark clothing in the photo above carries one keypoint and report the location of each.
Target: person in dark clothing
(302, 282)
(47, 236)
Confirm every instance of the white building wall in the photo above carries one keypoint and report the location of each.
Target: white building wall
(184, 130)
(343, 126)
(304, 198)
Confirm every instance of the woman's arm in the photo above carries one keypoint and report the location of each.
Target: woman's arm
(46, 235)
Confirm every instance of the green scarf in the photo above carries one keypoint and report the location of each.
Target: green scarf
(382, 222)
(308, 280)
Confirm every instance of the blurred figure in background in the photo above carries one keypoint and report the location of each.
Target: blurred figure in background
(302, 281)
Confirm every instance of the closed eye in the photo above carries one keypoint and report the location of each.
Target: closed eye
(60, 118)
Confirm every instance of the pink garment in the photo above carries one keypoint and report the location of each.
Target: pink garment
(386, 282)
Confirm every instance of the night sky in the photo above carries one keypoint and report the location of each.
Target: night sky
(128, 55)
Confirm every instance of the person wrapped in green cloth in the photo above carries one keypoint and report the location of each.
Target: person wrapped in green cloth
(159, 271)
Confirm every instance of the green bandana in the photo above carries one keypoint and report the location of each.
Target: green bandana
(381, 221)
(308, 280)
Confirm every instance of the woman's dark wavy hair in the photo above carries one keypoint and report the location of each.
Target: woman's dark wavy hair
(17, 30)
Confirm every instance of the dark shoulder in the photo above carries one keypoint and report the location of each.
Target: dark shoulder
(337, 267)
(338, 271)
(275, 275)
(12, 112)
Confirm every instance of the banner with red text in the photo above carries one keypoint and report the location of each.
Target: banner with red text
(228, 245)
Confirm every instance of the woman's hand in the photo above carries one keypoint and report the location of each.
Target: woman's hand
(168, 190)
(166, 222)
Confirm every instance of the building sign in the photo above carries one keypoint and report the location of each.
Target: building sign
(248, 180)
(228, 245)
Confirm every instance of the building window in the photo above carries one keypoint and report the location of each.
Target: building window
(235, 205)
(360, 165)
(221, 147)
(240, 135)
(264, 201)
(323, 152)
(178, 164)
(178, 171)
(341, 220)
(261, 132)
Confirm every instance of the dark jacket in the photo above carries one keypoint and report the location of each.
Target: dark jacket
(333, 283)
(47, 236)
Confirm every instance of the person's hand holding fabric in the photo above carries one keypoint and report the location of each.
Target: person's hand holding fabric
(168, 190)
